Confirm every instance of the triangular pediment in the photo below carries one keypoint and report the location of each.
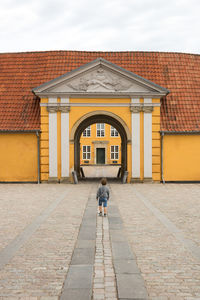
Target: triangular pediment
(99, 78)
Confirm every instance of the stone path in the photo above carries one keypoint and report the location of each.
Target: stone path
(53, 246)
(130, 283)
(79, 280)
(107, 271)
(104, 286)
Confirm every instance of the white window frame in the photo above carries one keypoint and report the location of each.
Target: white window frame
(113, 132)
(86, 152)
(115, 152)
(87, 132)
(100, 128)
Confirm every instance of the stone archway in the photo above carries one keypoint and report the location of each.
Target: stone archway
(100, 117)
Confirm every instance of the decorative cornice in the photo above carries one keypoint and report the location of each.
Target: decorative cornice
(135, 109)
(147, 109)
(99, 94)
(52, 109)
(97, 104)
(141, 108)
(64, 109)
(58, 107)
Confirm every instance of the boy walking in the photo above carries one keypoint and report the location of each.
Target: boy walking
(103, 196)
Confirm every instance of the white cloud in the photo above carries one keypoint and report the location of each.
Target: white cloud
(152, 25)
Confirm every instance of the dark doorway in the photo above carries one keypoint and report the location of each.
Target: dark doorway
(100, 156)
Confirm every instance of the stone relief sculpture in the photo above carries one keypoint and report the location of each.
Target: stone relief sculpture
(98, 80)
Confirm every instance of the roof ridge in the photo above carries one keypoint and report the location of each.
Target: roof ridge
(95, 52)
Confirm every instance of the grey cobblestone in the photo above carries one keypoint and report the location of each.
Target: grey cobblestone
(39, 268)
(168, 268)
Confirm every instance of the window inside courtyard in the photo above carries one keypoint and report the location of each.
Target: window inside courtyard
(87, 132)
(113, 132)
(100, 129)
(114, 152)
(86, 152)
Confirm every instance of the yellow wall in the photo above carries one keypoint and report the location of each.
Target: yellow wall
(44, 142)
(75, 114)
(156, 146)
(113, 141)
(18, 160)
(181, 156)
(122, 112)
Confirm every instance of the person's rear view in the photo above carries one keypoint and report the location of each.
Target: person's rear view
(103, 196)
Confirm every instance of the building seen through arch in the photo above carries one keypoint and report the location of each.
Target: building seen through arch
(100, 144)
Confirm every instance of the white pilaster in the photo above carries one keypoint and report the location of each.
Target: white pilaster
(135, 118)
(64, 139)
(147, 141)
(53, 172)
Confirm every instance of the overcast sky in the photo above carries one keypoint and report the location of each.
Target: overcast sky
(100, 25)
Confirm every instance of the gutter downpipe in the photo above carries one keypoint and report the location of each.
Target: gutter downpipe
(38, 160)
(162, 177)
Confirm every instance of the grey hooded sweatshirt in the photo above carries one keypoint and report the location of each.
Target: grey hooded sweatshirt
(103, 192)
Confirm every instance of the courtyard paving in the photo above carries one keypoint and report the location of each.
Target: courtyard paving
(53, 245)
(98, 171)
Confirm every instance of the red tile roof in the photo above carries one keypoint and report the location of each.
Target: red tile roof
(178, 72)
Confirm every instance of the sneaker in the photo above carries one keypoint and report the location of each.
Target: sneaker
(105, 215)
(100, 214)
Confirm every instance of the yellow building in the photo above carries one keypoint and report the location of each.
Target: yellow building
(100, 144)
(50, 101)
(129, 103)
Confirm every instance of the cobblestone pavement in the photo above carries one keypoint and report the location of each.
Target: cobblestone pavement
(159, 237)
(104, 277)
(40, 225)
(38, 269)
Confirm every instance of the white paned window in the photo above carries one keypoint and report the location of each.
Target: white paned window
(86, 152)
(87, 131)
(113, 131)
(100, 129)
(114, 152)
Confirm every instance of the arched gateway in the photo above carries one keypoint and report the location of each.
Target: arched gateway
(100, 92)
(100, 117)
